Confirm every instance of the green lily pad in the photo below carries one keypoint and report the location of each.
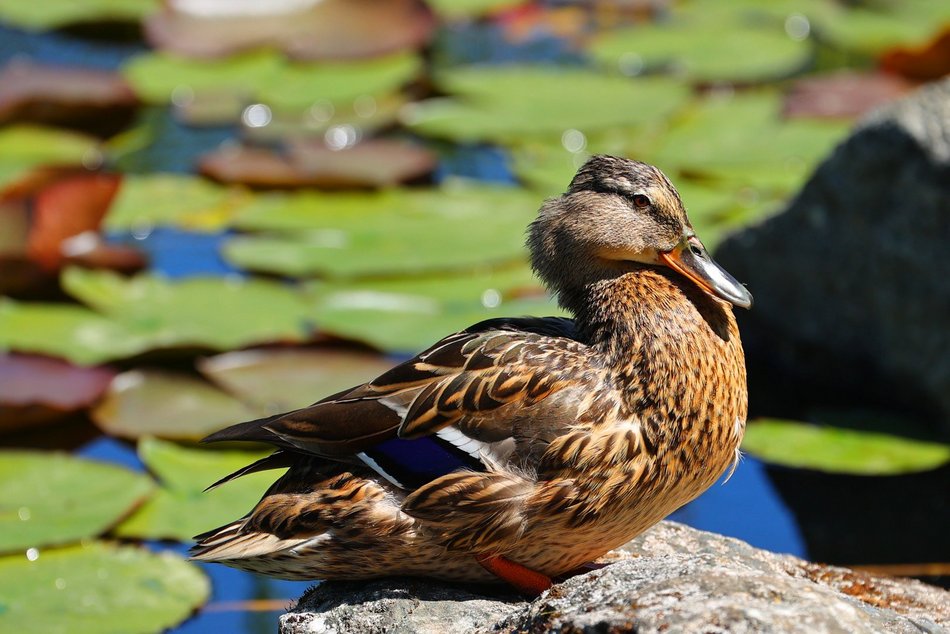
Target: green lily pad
(405, 316)
(154, 403)
(873, 27)
(135, 315)
(217, 313)
(23, 147)
(98, 588)
(51, 14)
(179, 200)
(278, 380)
(181, 508)
(457, 9)
(726, 50)
(51, 498)
(838, 450)
(742, 139)
(275, 81)
(357, 234)
(505, 104)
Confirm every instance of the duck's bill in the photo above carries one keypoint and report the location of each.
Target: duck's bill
(691, 259)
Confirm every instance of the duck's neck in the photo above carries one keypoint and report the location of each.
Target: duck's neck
(623, 315)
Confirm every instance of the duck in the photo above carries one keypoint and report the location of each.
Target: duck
(520, 449)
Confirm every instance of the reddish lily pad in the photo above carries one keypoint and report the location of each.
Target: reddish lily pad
(922, 63)
(373, 163)
(96, 100)
(842, 95)
(178, 406)
(330, 29)
(67, 209)
(37, 390)
(288, 378)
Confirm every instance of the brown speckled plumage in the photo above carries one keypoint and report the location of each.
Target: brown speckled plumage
(592, 430)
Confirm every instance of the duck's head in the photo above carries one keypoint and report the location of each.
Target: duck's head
(618, 215)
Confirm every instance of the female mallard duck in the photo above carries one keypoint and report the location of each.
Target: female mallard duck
(520, 448)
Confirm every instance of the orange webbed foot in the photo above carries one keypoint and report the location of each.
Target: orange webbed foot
(524, 579)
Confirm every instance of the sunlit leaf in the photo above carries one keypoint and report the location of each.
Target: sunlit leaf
(269, 78)
(504, 104)
(356, 234)
(726, 50)
(328, 29)
(39, 389)
(455, 9)
(155, 403)
(873, 27)
(181, 508)
(408, 315)
(179, 200)
(50, 14)
(839, 450)
(53, 498)
(98, 588)
(278, 380)
(23, 147)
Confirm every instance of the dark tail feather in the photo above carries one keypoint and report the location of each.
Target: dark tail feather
(252, 430)
(277, 460)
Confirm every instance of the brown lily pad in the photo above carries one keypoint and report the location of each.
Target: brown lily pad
(39, 390)
(65, 210)
(842, 95)
(331, 29)
(97, 101)
(282, 379)
(924, 63)
(373, 163)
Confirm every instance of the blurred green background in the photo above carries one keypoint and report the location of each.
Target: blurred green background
(214, 211)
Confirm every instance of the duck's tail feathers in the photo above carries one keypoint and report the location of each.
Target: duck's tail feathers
(252, 430)
(277, 460)
(230, 542)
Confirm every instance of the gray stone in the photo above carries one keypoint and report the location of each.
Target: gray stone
(671, 579)
(852, 279)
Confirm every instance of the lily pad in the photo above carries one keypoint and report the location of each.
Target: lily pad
(278, 380)
(401, 231)
(726, 50)
(505, 104)
(325, 29)
(53, 498)
(39, 389)
(51, 14)
(145, 313)
(147, 201)
(871, 28)
(742, 139)
(405, 316)
(177, 406)
(842, 94)
(372, 163)
(98, 588)
(467, 9)
(23, 147)
(276, 82)
(181, 508)
(838, 450)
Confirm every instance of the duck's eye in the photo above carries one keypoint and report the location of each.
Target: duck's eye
(641, 201)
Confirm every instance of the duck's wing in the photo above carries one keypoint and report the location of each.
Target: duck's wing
(452, 406)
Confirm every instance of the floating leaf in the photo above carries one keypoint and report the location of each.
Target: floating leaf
(98, 588)
(95, 100)
(327, 29)
(838, 450)
(923, 63)
(52, 498)
(408, 315)
(505, 104)
(278, 380)
(51, 14)
(154, 403)
(726, 50)
(457, 9)
(39, 389)
(148, 313)
(23, 147)
(275, 81)
(394, 231)
(742, 139)
(843, 94)
(181, 508)
(872, 28)
(372, 163)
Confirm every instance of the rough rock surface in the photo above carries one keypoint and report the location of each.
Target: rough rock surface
(671, 579)
(851, 280)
